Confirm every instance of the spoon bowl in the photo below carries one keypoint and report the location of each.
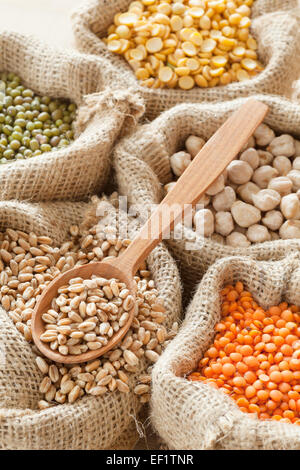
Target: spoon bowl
(205, 168)
(107, 269)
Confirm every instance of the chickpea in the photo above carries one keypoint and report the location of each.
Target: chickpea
(251, 157)
(294, 176)
(203, 201)
(224, 200)
(224, 223)
(194, 144)
(290, 206)
(297, 147)
(273, 220)
(281, 184)
(249, 144)
(290, 229)
(282, 145)
(247, 190)
(204, 222)
(239, 172)
(258, 233)
(265, 158)
(216, 237)
(283, 165)
(169, 186)
(296, 163)
(245, 214)
(217, 186)
(274, 235)
(266, 199)
(263, 174)
(179, 162)
(237, 240)
(263, 135)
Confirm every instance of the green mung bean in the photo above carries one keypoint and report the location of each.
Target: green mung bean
(31, 125)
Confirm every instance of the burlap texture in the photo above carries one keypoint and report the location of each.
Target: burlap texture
(274, 25)
(141, 163)
(81, 169)
(107, 422)
(196, 416)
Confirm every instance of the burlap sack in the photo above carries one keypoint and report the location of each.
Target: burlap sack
(190, 415)
(81, 169)
(103, 422)
(274, 25)
(141, 163)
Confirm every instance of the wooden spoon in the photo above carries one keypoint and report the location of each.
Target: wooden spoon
(208, 164)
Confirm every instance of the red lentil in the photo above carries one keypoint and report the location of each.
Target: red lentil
(255, 357)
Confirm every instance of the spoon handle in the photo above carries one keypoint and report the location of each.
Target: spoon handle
(208, 164)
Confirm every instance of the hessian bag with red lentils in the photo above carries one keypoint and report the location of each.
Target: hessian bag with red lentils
(194, 415)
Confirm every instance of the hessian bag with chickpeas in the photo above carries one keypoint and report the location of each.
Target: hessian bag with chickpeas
(109, 421)
(80, 169)
(194, 415)
(274, 25)
(142, 167)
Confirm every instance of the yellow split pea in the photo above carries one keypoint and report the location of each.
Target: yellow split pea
(186, 43)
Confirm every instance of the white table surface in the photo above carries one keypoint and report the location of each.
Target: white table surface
(47, 19)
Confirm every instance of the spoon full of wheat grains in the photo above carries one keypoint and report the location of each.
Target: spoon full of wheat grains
(205, 168)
